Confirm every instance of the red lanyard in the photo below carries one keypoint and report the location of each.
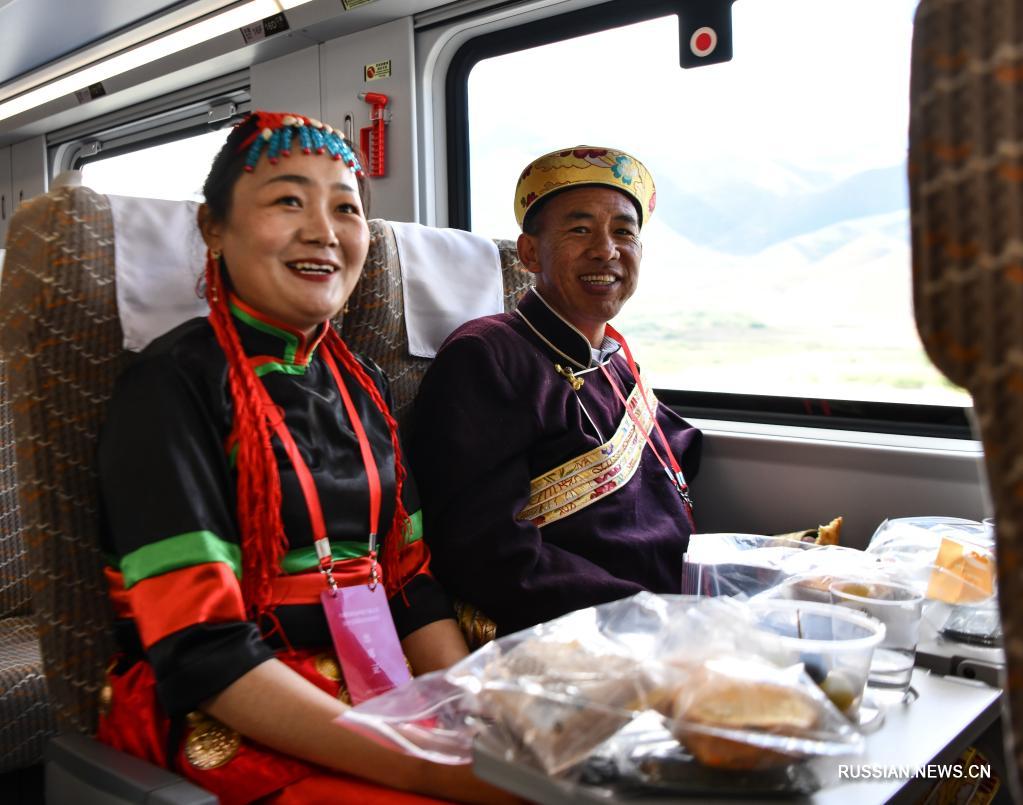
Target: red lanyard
(674, 472)
(305, 478)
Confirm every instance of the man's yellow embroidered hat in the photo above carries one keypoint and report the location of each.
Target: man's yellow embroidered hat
(585, 165)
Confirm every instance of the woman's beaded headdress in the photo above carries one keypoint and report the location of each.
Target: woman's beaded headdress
(276, 131)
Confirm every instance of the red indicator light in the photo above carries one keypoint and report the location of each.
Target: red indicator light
(703, 41)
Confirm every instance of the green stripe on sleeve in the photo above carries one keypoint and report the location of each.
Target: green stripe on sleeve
(173, 553)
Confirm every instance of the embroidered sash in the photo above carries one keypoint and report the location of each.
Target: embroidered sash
(595, 474)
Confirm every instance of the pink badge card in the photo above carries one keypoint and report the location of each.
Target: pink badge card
(365, 640)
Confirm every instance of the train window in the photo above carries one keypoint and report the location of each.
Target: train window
(778, 259)
(170, 170)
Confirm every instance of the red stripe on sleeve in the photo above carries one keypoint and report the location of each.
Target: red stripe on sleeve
(413, 560)
(164, 604)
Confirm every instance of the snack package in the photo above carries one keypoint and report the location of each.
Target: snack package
(550, 697)
(552, 693)
(750, 565)
(951, 561)
(736, 564)
(948, 559)
(557, 691)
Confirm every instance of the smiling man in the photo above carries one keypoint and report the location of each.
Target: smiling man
(552, 479)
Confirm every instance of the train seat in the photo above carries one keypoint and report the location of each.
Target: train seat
(26, 717)
(62, 340)
(966, 200)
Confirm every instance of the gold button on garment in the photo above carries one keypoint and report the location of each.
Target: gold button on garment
(327, 667)
(210, 744)
(106, 698)
(106, 693)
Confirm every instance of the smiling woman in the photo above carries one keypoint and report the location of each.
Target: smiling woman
(249, 464)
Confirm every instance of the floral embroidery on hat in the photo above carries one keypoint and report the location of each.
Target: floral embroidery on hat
(624, 169)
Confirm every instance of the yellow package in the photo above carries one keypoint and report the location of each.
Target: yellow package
(961, 574)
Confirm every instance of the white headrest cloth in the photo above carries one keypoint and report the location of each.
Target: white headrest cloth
(448, 277)
(159, 258)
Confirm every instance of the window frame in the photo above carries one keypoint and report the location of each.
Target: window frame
(173, 117)
(909, 419)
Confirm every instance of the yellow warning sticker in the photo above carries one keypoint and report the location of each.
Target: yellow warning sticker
(380, 69)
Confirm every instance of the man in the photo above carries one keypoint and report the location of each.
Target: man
(542, 492)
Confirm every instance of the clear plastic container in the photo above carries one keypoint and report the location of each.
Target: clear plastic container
(834, 644)
(909, 548)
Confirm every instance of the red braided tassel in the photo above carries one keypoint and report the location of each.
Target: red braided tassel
(259, 486)
(262, 535)
(394, 542)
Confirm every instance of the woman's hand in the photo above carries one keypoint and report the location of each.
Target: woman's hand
(277, 707)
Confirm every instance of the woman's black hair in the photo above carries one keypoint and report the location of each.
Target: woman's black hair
(229, 164)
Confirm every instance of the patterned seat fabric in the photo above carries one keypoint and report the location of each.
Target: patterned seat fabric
(375, 325)
(966, 195)
(62, 338)
(26, 718)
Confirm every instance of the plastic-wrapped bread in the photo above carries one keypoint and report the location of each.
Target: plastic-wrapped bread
(561, 700)
(735, 721)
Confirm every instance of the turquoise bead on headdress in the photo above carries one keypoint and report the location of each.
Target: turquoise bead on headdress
(273, 151)
(275, 133)
(318, 143)
(306, 139)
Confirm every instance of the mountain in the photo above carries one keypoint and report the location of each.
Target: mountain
(743, 217)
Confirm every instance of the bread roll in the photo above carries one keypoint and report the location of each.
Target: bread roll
(713, 699)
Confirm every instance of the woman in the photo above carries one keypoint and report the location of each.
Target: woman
(248, 462)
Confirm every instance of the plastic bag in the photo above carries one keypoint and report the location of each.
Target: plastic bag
(951, 562)
(736, 564)
(555, 692)
(948, 559)
(750, 565)
(428, 718)
(645, 758)
(550, 696)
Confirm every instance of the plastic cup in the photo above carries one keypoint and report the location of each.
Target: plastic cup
(835, 645)
(900, 609)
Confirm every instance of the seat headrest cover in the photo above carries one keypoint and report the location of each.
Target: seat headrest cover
(448, 277)
(159, 258)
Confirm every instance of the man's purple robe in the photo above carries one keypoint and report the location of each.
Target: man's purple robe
(539, 499)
